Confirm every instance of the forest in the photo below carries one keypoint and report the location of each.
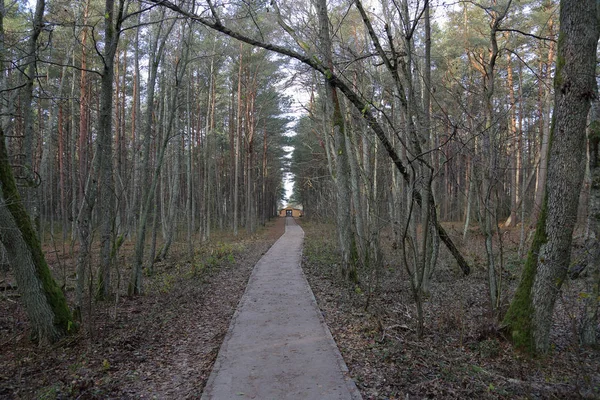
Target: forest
(444, 156)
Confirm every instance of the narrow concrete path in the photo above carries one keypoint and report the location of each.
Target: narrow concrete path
(278, 346)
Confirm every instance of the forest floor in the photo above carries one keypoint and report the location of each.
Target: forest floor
(159, 345)
(462, 354)
(163, 344)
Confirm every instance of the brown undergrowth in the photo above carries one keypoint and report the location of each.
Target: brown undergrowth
(159, 345)
(463, 354)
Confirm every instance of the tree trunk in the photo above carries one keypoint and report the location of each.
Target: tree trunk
(589, 320)
(29, 139)
(545, 111)
(157, 50)
(529, 317)
(343, 218)
(189, 205)
(44, 302)
(104, 144)
(238, 136)
(515, 153)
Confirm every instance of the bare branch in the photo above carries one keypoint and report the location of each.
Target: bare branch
(526, 34)
(351, 95)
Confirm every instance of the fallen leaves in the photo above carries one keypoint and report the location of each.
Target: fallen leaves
(160, 345)
(462, 354)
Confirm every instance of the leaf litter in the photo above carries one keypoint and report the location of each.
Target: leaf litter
(159, 345)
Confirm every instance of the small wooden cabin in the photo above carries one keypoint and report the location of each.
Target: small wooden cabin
(290, 212)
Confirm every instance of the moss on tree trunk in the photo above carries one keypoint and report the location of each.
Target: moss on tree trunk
(517, 321)
(40, 289)
(529, 318)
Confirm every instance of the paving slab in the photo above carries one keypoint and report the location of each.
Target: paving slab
(278, 346)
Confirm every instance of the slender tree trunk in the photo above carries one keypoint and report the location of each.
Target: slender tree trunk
(470, 190)
(238, 136)
(29, 138)
(174, 192)
(82, 224)
(265, 173)
(136, 113)
(83, 106)
(104, 144)
(343, 218)
(514, 153)
(157, 50)
(189, 205)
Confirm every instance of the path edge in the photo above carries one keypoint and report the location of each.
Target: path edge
(348, 381)
(350, 384)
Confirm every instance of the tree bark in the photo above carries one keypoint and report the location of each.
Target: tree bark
(157, 50)
(544, 111)
(334, 112)
(29, 139)
(104, 143)
(529, 317)
(238, 136)
(44, 302)
(589, 320)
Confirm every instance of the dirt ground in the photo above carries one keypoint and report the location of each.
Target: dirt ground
(463, 355)
(159, 345)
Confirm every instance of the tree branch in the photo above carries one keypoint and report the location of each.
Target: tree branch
(526, 34)
(337, 82)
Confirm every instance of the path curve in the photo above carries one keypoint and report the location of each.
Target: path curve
(278, 346)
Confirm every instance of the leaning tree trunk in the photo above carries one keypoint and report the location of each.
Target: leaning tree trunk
(529, 317)
(43, 300)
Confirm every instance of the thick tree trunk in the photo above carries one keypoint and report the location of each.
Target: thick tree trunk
(44, 302)
(589, 320)
(529, 317)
